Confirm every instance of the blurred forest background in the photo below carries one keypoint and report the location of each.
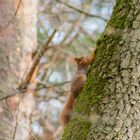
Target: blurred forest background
(77, 25)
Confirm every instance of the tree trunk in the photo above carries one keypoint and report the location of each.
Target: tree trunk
(109, 106)
(18, 39)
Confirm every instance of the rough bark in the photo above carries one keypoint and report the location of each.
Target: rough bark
(18, 39)
(109, 106)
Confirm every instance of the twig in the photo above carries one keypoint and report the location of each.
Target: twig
(81, 11)
(18, 111)
(11, 87)
(36, 60)
(43, 85)
(51, 86)
(15, 13)
(86, 33)
(73, 38)
(7, 108)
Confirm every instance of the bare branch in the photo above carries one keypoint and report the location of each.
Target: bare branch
(51, 86)
(81, 11)
(15, 13)
(86, 33)
(7, 107)
(36, 60)
(16, 117)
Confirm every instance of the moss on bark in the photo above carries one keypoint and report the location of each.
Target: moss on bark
(119, 18)
(99, 72)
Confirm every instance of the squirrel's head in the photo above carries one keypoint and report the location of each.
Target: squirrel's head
(82, 61)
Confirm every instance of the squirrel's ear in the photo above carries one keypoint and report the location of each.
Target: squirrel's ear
(77, 59)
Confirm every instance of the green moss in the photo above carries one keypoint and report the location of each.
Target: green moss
(116, 136)
(93, 90)
(74, 128)
(119, 18)
(98, 75)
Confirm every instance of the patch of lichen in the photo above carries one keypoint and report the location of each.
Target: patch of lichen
(74, 129)
(119, 18)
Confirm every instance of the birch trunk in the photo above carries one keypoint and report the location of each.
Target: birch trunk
(18, 39)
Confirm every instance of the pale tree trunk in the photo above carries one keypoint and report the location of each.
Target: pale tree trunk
(109, 106)
(18, 39)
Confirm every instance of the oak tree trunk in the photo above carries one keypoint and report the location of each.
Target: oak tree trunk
(109, 106)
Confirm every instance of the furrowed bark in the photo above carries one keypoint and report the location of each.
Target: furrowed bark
(109, 106)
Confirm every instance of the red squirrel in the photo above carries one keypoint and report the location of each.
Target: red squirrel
(76, 86)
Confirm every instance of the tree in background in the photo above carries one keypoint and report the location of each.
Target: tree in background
(18, 39)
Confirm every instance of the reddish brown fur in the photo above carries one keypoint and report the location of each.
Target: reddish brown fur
(76, 86)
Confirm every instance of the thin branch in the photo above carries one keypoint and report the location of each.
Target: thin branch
(15, 13)
(31, 134)
(36, 60)
(16, 117)
(81, 11)
(86, 33)
(4, 83)
(7, 107)
(73, 38)
(43, 85)
(71, 29)
(58, 95)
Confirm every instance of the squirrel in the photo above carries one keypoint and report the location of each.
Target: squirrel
(76, 86)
